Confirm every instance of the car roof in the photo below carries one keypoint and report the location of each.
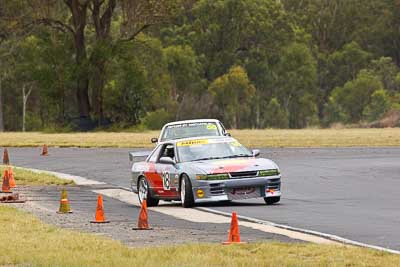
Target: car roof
(191, 121)
(174, 141)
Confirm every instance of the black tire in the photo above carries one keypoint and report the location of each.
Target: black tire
(151, 201)
(187, 198)
(271, 200)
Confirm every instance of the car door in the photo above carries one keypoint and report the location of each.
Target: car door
(169, 182)
(153, 178)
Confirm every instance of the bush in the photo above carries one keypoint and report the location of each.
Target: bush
(155, 120)
(33, 122)
(333, 112)
(396, 102)
(379, 104)
(354, 96)
(275, 116)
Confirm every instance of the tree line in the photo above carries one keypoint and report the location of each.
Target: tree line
(87, 64)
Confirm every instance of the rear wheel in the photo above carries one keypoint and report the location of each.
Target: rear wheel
(271, 200)
(186, 192)
(144, 193)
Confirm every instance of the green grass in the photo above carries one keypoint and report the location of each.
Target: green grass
(26, 177)
(251, 138)
(319, 137)
(27, 241)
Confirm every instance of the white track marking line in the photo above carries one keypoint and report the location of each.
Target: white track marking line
(78, 180)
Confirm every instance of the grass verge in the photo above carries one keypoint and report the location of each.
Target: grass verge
(32, 243)
(27, 177)
(251, 138)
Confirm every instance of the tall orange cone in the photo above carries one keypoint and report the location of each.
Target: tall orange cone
(45, 151)
(234, 234)
(143, 222)
(99, 217)
(6, 158)
(5, 188)
(11, 178)
(64, 203)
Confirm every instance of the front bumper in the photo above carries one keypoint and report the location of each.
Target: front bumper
(238, 189)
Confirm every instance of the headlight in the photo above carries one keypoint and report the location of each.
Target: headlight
(201, 177)
(220, 176)
(270, 172)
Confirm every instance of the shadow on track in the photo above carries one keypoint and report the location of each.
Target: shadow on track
(221, 204)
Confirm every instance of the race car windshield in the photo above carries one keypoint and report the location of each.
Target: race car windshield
(187, 130)
(196, 150)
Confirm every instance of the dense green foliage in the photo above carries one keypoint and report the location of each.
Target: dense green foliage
(251, 63)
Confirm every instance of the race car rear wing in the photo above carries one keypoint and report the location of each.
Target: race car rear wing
(139, 154)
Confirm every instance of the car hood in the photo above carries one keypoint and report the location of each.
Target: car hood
(232, 165)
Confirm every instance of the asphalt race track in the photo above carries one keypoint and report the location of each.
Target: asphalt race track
(350, 192)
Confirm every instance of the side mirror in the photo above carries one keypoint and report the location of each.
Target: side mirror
(256, 152)
(227, 134)
(167, 160)
(154, 140)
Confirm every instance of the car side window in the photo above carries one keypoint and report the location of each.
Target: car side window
(168, 151)
(154, 156)
(223, 128)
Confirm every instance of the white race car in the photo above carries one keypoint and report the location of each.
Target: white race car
(196, 170)
(191, 128)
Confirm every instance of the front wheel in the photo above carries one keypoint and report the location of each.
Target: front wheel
(271, 200)
(144, 193)
(186, 192)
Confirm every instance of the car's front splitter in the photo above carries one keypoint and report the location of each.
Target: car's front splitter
(230, 194)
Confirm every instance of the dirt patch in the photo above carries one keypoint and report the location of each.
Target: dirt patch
(390, 119)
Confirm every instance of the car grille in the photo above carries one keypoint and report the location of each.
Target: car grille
(247, 174)
(216, 189)
(274, 184)
(244, 193)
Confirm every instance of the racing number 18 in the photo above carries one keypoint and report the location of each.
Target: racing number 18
(166, 181)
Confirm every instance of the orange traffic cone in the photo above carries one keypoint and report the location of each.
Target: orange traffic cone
(6, 159)
(11, 178)
(99, 217)
(5, 188)
(45, 151)
(234, 234)
(64, 203)
(142, 222)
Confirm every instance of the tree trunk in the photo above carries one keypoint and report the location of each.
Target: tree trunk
(181, 105)
(102, 24)
(82, 92)
(79, 12)
(234, 121)
(1, 108)
(23, 108)
(83, 96)
(63, 105)
(258, 124)
(97, 92)
(24, 101)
